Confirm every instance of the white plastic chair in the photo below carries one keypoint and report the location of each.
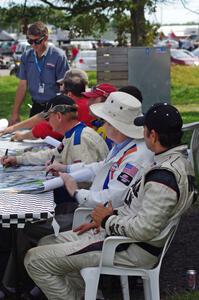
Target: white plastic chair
(150, 277)
(194, 144)
(194, 149)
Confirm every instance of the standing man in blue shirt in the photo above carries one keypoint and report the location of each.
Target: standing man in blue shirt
(40, 69)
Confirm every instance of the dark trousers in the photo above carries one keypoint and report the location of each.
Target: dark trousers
(5, 247)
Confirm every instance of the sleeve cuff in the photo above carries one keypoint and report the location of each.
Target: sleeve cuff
(103, 224)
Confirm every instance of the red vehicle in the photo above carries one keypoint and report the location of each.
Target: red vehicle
(180, 57)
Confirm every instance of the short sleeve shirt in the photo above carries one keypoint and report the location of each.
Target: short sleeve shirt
(53, 68)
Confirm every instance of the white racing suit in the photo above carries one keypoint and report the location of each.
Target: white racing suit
(81, 144)
(165, 192)
(112, 177)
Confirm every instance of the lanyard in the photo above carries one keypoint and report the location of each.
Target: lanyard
(40, 66)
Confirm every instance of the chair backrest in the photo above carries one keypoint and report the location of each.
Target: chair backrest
(171, 233)
(194, 147)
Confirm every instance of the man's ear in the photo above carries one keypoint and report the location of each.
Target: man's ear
(69, 94)
(59, 116)
(154, 136)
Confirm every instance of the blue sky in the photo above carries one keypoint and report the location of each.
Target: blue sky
(170, 13)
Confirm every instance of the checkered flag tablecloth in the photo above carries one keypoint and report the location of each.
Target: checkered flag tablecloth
(17, 209)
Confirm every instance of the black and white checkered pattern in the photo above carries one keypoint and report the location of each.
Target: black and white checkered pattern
(17, 209)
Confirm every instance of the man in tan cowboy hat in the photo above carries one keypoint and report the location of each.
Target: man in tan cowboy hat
(124, 163)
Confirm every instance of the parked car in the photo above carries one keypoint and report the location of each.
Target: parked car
(180, 57)
(196, 52)
(85, 60)
(6, 47)
(167, 43)
(20, 49)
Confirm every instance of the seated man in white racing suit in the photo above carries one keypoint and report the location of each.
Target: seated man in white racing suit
(164, 193)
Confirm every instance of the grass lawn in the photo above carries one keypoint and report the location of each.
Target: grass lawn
(184, 95)
(184, 92)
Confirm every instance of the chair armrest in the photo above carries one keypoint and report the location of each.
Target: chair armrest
(109, 247)
(111, 242)
(190, 126)
(81, 215)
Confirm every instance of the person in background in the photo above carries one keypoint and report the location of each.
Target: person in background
(73, 84)
(98, 94)
(40, 69)
(74, 52)
(132, 90)
(165, 191)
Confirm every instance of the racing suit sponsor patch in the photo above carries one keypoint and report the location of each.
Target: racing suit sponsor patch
(125, 178)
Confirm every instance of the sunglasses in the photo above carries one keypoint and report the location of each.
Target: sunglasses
(95, 89)
(62, 108)
(36, 41)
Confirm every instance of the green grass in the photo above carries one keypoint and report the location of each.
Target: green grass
(186, 296)
(8, 86)
(184, 92)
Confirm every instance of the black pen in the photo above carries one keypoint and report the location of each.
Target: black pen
(5, 156)
(51, 161)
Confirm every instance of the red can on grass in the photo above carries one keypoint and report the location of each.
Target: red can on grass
(191, 280)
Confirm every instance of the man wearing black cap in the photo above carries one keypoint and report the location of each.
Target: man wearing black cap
(81, 143)
(163, 194)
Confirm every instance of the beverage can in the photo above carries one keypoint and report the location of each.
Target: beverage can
(191, 280)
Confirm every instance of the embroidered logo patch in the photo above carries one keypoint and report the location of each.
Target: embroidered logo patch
(50, 65)
(124, 178)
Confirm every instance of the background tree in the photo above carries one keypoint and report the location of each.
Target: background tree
(92, 17)
(128, 17)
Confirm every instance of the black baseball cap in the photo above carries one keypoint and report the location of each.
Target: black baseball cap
(162, 117)
(60, 103)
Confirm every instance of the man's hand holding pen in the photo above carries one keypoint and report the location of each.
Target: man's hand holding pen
(50, 163)
(55, 168)
(8, 161)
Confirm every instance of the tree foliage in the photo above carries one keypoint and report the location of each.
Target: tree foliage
(92, 17)
(128, 17)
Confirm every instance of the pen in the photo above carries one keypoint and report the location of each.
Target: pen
(51, 161)
(5, 156)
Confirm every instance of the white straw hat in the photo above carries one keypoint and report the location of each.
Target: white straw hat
(120, 109)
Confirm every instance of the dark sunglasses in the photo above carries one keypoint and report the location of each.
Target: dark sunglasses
(36, 41)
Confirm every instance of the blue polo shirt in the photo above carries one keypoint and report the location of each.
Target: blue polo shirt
(53, 67)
